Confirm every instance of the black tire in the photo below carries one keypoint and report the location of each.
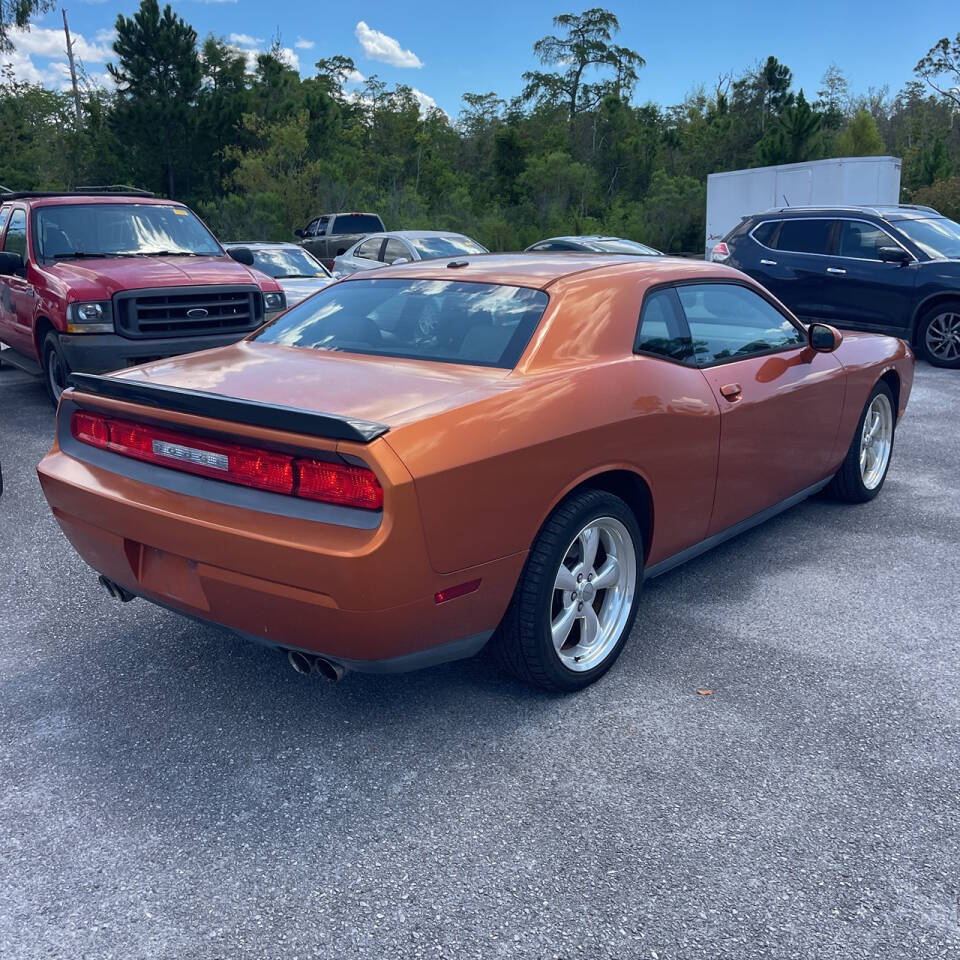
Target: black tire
(523, 643)
(55, 367)
(847, 483)
(923, 348)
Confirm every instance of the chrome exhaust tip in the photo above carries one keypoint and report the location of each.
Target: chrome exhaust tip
(300, 662)
(330, 671)
(114, 590)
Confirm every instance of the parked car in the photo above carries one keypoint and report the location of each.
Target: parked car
(299, 273)
(592, 245)
(329, 236)
(404, 246)
(95, 280)
(410, 463)
(893, 270)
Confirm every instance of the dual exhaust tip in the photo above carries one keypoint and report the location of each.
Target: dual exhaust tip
(307, 664)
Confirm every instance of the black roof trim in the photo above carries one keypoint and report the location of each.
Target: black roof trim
(116, 190)
(251, 412)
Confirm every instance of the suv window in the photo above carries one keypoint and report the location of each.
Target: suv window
(16, 238)
(396, 249)
(369, 249)
(730, 322)
(663, 331)
(765, 231)
(862, 240)
(805, 236)
(357, 223)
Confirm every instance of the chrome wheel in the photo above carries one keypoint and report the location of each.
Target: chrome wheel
(942, 336)
(876, 441)
(593, 594)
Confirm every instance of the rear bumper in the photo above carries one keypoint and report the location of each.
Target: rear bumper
(103, 352)
(363, 596)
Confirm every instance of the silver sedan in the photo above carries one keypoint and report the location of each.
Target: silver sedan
(403, 246)
(299, 273)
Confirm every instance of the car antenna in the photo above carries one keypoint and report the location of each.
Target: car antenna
(785, 200)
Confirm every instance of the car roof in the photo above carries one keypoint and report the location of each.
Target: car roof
(415, 234)
(540, 270)
(902, 211)
(591, 237)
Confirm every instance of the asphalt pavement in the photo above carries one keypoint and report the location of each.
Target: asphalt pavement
(168, 791)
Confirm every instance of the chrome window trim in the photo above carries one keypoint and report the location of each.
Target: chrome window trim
(836, 256)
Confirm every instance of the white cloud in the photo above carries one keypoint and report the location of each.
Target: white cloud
(355, 76)
(245, 40)
(427, 103)
(302, 44)
(46, 42)
(287, 55)
(378, 46)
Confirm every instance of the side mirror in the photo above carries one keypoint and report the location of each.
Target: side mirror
(823, 338)
(242, 255)
(298, 233)
(11, 265)
(894, 255)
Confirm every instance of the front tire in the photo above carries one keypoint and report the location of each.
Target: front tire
(55, 368)
(864, 469)
(576, 601)
(938, 335)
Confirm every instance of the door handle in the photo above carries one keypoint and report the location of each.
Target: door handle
(836, 270)
(769, 263)
(731, 391)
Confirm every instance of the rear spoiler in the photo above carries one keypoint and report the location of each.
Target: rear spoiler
(251, 412)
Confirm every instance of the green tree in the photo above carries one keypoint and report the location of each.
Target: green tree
(860, 138)
(158, 77)
(17, 13)
(940, 68)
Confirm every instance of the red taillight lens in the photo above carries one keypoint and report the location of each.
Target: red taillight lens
(720, 253)
(336, 483)
(231, 462)
(460, 590)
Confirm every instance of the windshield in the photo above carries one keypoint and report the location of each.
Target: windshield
(284, 263)
(452, 321)
(625, 246)
(431, 248)
(121, 229)
(357, 223)
(938, 238)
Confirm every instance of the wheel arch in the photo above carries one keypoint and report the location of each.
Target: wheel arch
(933, 300)
(891, 378)
(40, 330)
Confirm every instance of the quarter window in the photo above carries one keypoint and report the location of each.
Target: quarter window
(805, 236)
(370, 249)
(16, 238)
(765, 231)
(395, 250)
(730, 322)
(862, 240)
(663, 331)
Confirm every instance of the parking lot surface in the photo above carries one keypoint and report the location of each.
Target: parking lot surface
(168, 791)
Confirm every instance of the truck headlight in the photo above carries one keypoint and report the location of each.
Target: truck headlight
(91, 317)
(274, 302)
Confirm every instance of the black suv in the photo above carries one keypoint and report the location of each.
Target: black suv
(893, 270)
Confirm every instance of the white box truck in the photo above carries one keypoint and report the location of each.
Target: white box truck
(844, 181)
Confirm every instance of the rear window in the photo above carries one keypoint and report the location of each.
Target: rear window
(357, 223)
(805, 236)
(449, 321)
(625, 246)
(431, 248)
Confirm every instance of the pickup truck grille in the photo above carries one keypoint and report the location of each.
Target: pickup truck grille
(187, 311)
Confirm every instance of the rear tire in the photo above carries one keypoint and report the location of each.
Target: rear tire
(56, 371)
(560, 631)
(938, 335)
(864, 469)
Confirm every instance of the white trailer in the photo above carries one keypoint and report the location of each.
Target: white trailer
(845, 181)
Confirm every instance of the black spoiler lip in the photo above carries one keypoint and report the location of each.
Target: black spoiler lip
(251, 412)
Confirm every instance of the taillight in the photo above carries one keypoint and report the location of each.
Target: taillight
(231, 462)
(720, 253)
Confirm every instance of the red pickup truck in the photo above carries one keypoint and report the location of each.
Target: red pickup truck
(96, 280)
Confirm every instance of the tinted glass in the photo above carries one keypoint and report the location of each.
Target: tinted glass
(121, 229)
(625, 246)
(430, 248)
(357, 223)
(764, 233)
(729, 322)
(369, 250)
(287, 262)
(862, 240)
(452, 321)
(4, 216)
(662, 330)
(937, 237)
(805, 236)
(311, 230)
(394, 250)
(16, 238)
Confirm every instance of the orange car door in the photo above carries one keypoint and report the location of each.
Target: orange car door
(780, 401)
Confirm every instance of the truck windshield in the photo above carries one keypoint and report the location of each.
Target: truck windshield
(357, 223)
(121, 230)
(937, 237)
(451, 321)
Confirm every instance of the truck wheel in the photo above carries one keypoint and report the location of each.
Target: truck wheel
(576, 601)
(55, 368)
(938, 335)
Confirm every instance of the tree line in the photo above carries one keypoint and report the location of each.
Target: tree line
(258, 152)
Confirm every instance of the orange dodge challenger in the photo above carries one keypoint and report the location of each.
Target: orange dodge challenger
(411, 463)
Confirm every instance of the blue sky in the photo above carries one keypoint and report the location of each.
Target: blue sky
(442, 49)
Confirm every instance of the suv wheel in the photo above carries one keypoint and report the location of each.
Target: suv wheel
(576, 601)
(55, 368)
(938, 335)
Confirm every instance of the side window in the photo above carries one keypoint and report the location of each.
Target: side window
(16, 238)
(805, 236)
(4, 217)
(862, 240)
(396, 249)
(369, 249)
(663, 331)
(765, 231)
(730, 322)
(322, 226)
(311, 230)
